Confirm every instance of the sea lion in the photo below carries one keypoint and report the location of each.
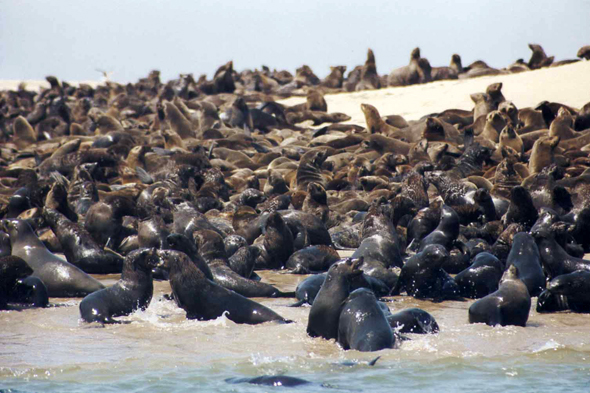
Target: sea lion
(181, 243)
(316, 201)
(326, 308)
(335, 78)
(132, 292)
(509, 305)
(538, 57)
(204, 300)
(521, 210)
(362, 324)
(413, 320)
(79, 247)
(481, 278)
(525, 256)
(61, 278)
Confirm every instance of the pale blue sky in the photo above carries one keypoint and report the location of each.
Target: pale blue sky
(70, 39)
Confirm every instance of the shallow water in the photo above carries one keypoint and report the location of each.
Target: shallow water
(158, 350)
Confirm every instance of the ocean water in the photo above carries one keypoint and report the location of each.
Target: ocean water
(159, 350)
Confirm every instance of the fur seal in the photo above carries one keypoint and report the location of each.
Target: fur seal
(204, 300)
(61, 278)
(417, 71)
(326, 308)
(422, 275)
(413, 320)
(12, 270)
(481, 278)
(509, 305)
(369, 77)
(446, 232)
(79, 247)
(271, 380)
(132, 292)
(575, 287)
(525, 256)
(362, 324)
(312, 259)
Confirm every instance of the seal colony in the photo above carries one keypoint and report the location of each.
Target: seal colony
(204, 182)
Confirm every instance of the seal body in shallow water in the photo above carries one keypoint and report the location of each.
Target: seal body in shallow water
(61, 278)
(132, 292)
(575, 287)
(413, 320)
(509, 305)
(326, 308)
(204, 300)
(362, 324)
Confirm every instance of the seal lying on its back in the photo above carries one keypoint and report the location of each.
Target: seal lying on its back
(362, 324)
(61, 278)
(509, 305)
(204, 300)
(133, 291)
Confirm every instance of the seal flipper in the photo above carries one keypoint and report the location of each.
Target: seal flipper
(299, 303)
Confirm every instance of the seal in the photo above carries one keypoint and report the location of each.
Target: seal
(422, 275)
(204, 300)
(362, 324)
(312, 259)
(12, 270)
(575, 287)
(413, 320)
(271, 380)
(132, 292)
(542, 154)
(326, 308)
(446, 232)
(316, 201)
(79, 247)
(509, 305)
(525, 256)
(481, 278)
(61, 278)
(278, 241)
(521, 209)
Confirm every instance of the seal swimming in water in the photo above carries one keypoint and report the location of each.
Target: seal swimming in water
(362, 324)
(204, 300)
(61, 278)
(509, 305)
(132, 292)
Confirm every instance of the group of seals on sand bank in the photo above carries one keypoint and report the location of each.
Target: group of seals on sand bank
(205, 182)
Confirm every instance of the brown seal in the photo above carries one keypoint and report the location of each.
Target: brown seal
(335, 78)
(418, 71)
(369, 77)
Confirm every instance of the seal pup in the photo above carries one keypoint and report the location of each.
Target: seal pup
(132, 292)
(204, 300)
(509, 305)
(362, 324)
(61, 278)
(326, 308)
